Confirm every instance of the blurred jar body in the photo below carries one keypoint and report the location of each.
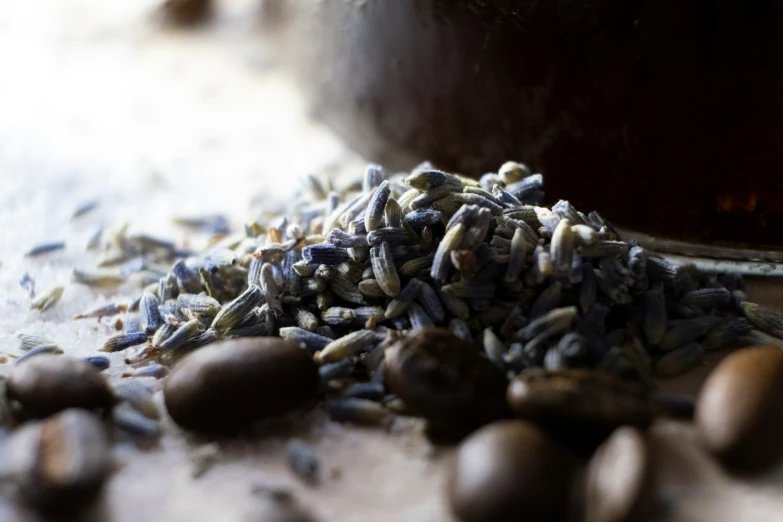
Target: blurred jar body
(663, 114)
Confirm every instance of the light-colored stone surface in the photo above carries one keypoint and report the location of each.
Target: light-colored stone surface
(97, 100)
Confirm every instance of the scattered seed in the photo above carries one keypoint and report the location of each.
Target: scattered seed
(302, 460)
(442, 260)
(121, 341)
(48, 299)
(97, 279)
(133, 422)
(231, 314)
(106, 310)
(707, 298)
(562, 249)
(204, 458)
(517, 254)
(138, 395)
(384, 269)
(28, 342)
(547, 300)
(764, 319)
(338, 315)
(430, 302)
(101, 362)
(324, 253)
(183, 334)
(372, 391)
(346, 346)
(418, 317)
(345, 289)
(45, 248)
(85, 208)
(153, 370)
(654, 317)
(679, 360)
(359, 411)
(38, 350)
(683, 334)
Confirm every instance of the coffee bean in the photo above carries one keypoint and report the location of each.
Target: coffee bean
(445, 380)
(581, 407)
(229, 385)
(510, 471)
(740, 408)
(47, 384)
(618, 483)
(59, 464)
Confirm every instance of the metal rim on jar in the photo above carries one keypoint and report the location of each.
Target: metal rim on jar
(709, 258)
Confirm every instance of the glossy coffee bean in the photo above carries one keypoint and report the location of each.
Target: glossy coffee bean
(229, 385)
(618, 484)
(48, 383)
(581, 407)
(445, 380)
(739, 412)
(59, 464)
(510, 471)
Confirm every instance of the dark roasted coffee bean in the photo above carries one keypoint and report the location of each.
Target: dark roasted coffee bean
(48, 383)
(619, 479)
(740, 407)
(580, 406)
(229, 385)
(59, 464)
(510, 471)
(445, 380)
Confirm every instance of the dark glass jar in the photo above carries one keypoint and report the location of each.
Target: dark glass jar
(666, 115)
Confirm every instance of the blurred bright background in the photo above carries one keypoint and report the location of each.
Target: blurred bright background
(97, 98)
